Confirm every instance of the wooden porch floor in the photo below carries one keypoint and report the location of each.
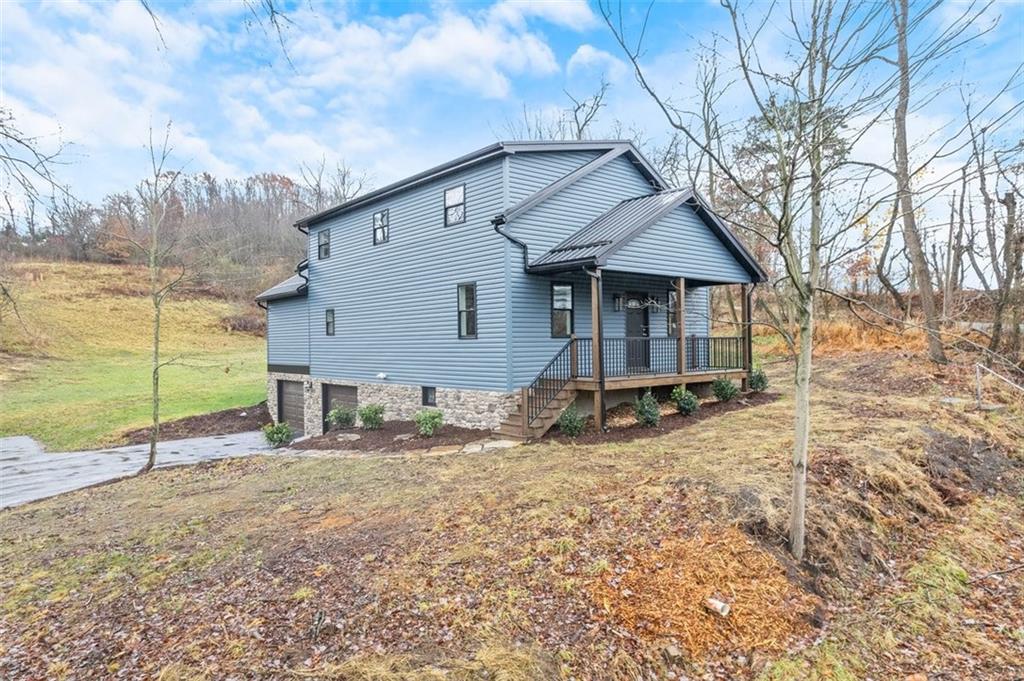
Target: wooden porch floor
(650, 380)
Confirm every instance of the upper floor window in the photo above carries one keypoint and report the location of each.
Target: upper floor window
(323, 245)
(381, 227)
(467, 310)
(561, 310)
(455, 205)
(329, 322)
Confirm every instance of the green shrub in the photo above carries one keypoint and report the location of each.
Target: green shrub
(342, 417)
(686, 402)
(371, 416)
(278, 434)
(758, 381)
(724, 389)
(429, 421)
(571, 421)
(647, 410)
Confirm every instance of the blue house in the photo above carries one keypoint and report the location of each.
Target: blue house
(502, 286)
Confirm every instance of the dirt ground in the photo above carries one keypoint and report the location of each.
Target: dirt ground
(223, 422)
(384, 438)
(557, 559)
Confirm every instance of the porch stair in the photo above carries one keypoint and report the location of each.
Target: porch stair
(512, 427)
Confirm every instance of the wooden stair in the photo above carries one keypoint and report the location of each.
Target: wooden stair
(512, 427)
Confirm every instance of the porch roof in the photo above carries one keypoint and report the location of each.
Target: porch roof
(292, 286)
(593, 244)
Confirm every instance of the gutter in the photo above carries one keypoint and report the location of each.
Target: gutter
(499, 220)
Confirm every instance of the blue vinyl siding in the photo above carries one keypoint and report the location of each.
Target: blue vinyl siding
(287, 331)
(532, 171)
(544, 226)
(395, 303)
(680, 245)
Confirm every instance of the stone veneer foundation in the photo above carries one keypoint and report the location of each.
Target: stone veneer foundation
(466, 408)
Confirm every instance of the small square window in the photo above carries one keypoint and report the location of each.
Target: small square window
(467, 310)
(323, 244)
(329, 322)
(455, 205)
(429, 396)
(381, 227)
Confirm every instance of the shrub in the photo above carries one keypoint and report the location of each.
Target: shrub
(647, 410)
(429, 421)
(342, 417)
(758, 381)
(278, 434)
(686, 402)
(372, 416)
(724, 389)
(571, 421)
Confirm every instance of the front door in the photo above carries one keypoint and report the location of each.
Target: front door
(638, 328)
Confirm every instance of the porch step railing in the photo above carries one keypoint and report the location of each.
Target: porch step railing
(551, 380)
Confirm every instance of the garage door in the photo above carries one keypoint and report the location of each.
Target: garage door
(338, 396)
(290, 405)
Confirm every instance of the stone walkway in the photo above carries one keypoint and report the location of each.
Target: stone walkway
(28, 473)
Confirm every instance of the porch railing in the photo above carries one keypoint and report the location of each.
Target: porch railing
(641, 356)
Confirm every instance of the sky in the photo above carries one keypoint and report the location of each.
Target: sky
(389, 88)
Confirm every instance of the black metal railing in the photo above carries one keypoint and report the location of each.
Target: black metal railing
(551, 380)
(708, 353)
(638, 356)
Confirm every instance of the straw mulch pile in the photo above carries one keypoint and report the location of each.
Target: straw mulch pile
(662, 593)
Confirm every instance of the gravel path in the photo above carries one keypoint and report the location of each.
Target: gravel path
(27, 472)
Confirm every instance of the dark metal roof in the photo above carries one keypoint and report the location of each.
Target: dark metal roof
(593, 244)
(483, 154)
(294, 285)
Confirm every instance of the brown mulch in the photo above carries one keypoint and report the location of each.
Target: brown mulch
(384, 438)
(224, 422)
(662, 593)
(669, 422)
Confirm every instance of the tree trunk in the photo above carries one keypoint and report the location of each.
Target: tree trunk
(154, 287)
(802, 429)
(911, 235)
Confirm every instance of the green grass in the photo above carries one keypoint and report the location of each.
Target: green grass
(76, 373)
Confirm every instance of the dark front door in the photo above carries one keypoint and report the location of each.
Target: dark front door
(638, 328)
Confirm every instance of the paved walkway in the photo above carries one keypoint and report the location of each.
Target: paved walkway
(28, 473)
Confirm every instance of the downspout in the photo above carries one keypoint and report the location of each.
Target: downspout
(301, 270)
(498, 221)
(598, 367)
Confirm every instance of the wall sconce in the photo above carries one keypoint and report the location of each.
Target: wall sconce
(617, 302)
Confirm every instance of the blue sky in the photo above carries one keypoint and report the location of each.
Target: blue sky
(390, 88)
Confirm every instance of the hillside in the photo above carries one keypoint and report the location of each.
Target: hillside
(76, 366)
(555, 560)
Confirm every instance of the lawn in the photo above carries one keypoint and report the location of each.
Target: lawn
(76, 366)
(553, 560)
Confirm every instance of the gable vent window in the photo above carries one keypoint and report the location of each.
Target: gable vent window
(467, 310)
(381, 227)
(323, 245)
(561, 310)
(329, 322)
(455, 205)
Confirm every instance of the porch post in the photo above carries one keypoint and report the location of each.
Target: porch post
(597, 337)
(747, 324)
(681, 325)
(573, 358)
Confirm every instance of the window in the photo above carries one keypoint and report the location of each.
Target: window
(329, 322)
(323, 246)
(429, 396)
(672, 330)
(381, 229)
(561, 310)
(455, 205)
(467, 310)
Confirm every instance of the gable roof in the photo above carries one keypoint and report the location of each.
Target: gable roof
(496, 150)
(593, 244)
(294, 285)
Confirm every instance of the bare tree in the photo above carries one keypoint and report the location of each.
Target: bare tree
(328, 186)
(576, 121)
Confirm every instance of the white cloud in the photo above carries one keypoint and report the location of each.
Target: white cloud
(573, 14)
(587, 57)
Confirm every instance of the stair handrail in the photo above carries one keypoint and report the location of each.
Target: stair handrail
(558, 373)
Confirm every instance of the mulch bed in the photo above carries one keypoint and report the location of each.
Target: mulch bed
(224, 422)
(384, 438)
(669, 422)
